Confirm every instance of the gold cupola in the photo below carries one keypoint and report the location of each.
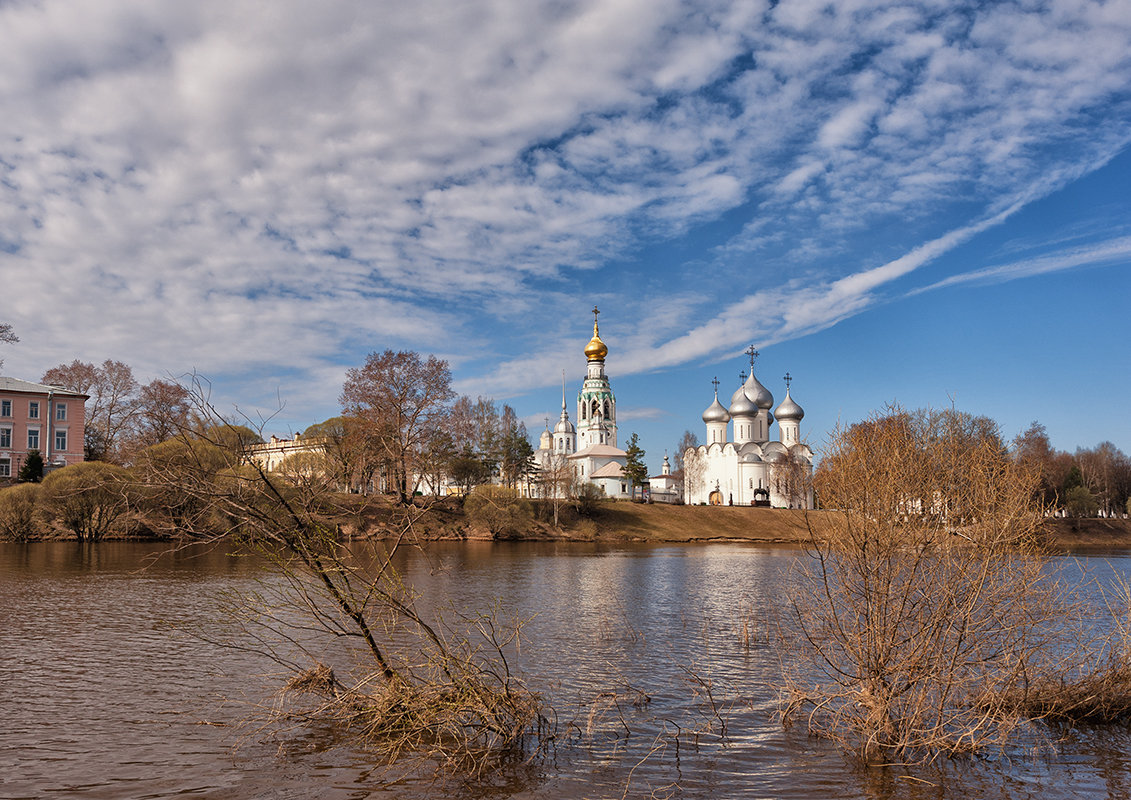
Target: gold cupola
(596, 350)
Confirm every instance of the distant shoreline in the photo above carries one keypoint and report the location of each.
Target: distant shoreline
(671, 524)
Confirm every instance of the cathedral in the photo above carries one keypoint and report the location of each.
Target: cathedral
(587, 452)
(748, 468)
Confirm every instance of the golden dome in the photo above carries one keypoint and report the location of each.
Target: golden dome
(596, 349)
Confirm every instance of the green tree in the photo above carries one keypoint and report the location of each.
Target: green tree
(86, 499)
(1080, 502)
(17, 511)
(635, 470)
(516, 455)
(32, 470)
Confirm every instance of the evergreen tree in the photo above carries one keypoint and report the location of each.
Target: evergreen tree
(634, 468)
(32, 470)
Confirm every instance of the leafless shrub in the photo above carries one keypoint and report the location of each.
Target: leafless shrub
(923, 609)
(409, 681)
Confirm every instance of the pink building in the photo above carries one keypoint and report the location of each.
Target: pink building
(49, 419)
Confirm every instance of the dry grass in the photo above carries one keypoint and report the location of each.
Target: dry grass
(466, 721)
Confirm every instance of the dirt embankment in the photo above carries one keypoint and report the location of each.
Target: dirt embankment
(612, 521)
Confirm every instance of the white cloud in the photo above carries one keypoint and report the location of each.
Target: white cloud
(233, 187)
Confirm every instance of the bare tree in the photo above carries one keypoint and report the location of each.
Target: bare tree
(694, 472)
(686, 442)
(112, 406)
(400, 399)
(1106, 471)
(411, 680)
(556, 482)
(7, 336)
(162, 411)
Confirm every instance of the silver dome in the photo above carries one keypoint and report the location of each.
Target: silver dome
(757, 392)
(564, 426)
(741, 405)
(789, 410)
(715, 412)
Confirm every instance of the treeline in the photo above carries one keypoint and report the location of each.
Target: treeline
(162, 493)
(1083, 484)
(404, 429)
(122, 416)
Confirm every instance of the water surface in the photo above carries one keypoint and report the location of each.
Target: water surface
(658, 652)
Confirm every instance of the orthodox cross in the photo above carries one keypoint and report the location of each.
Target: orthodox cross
(595, 313)
(715, 383)
(788, 379)
(753, 353)
(742, 377)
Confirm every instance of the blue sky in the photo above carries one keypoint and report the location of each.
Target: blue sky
(915, 202)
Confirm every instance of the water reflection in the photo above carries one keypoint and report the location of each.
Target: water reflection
(642, 650)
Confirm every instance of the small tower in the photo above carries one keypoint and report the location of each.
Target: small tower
(789, 416)
(565, 437)
(716, 418)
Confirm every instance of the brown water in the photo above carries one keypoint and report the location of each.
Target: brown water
(103, 696)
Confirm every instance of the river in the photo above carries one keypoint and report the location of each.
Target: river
(103, 693)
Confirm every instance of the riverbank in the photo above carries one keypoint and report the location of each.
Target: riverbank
(611, 521)
(638, 522)
(661, 523)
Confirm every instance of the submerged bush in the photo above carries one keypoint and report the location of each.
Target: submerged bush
(924, 608)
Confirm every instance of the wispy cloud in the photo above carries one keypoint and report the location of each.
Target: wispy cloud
(272, 194)
(1071, 258)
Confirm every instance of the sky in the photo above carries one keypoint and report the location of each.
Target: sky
(926, 204)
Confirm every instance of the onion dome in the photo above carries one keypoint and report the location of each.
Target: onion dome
(546, 441)
(789, 410)
(596, 349)
(741, 405)
(716, 412)
(757, 392)
(564, 425)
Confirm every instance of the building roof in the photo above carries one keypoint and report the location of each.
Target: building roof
(16, 385)
(600, 451)
(610, 470)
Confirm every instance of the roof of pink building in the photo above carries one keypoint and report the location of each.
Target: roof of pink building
(16, 385)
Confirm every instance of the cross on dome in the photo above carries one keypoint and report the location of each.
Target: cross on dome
(753, 353)
(788, 380)
(715, 383)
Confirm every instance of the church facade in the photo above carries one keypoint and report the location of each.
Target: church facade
(587, 452)
(739, 464)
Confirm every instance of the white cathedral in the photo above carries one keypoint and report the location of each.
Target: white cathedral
(588, 452)
(748, 468)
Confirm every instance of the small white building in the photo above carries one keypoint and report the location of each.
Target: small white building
(747, 467)
(271, 454)
(665, 487)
